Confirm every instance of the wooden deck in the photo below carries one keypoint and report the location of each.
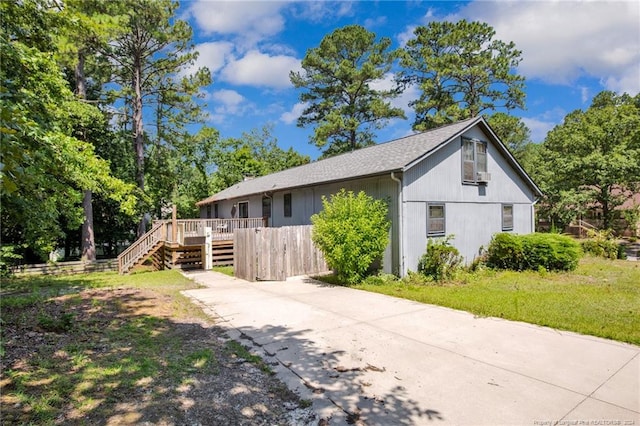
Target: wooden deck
(179, 243)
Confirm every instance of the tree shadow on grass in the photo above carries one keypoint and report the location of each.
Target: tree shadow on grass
(123, 360)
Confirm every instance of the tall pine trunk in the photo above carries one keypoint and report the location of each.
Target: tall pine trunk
(138, 136)
(88, 244)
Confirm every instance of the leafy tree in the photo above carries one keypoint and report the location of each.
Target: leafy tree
(352, 231)
(339, 92)
(45, 165)
(593, 157)
(149, 53)
(86, 29)
(511, 131)
(254, 154)
(461, 72)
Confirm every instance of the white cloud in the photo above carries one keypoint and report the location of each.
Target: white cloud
(374, 22)
(409, 94)
(584, 94)
(225, 103)
(539, 128)
(212, 55)
(229, 17)
(319, 11)
(564, 40)
(230, 100)
(406, 35)
(290, 117)
(262, 70)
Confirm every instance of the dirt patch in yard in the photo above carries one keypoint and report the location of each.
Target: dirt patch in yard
(120, 356)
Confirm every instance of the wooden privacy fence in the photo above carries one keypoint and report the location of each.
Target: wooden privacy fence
(273, 254)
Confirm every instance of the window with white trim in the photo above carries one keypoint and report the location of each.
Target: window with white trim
(474, 161)
(435, 220)
(507, 217)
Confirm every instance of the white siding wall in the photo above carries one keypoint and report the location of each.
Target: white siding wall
(473, 213)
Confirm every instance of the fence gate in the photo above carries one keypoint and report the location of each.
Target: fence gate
(273, 254)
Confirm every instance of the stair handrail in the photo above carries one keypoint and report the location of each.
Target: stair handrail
(140, 247)
(584, 224)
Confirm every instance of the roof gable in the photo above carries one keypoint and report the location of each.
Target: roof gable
(396, 155)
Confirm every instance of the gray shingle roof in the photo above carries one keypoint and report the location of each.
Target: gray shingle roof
(373, 160)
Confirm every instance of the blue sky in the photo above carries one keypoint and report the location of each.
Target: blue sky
(570, 52)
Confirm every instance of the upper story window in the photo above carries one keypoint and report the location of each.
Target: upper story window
(208, 211)
(287, 205)
(474, 161)
(215, 211)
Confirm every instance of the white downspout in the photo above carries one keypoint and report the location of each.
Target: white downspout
(533, 215)
(400, 224)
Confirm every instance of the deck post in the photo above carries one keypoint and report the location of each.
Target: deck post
(207, 261)
(174, 224)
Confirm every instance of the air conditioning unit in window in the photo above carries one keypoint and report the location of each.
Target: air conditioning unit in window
(483, 177)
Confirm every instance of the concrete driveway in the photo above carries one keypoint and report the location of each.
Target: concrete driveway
(371, 359)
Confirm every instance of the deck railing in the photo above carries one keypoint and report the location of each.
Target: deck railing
(222, 228)
(141, 247)
(162, 230)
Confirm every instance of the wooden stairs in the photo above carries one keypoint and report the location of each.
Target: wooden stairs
(145, 246)
(163, 254)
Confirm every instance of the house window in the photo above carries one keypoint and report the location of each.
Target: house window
(266, 207)
(287, 205)
(208, 211)
(243, 210)
(507, 217)
(215, 211)
(474, 161)
(435, 219)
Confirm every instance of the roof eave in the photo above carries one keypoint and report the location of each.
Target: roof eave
(214, 199)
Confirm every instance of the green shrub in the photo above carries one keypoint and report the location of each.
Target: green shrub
(441, 259)
(352, 231)
(8, 258)
(552, 252)
(601, 244)
(506, 252)
(380, 279)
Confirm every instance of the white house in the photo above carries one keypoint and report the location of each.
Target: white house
(457, 179)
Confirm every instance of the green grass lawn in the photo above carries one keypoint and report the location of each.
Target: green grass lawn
(601, 297)
(77, 345)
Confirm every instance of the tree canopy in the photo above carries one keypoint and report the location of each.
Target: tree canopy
(340, 93)
(149, 54)
(254, 154)
(45, 165)
(592, 159)
(461, 71)
(511, 131)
